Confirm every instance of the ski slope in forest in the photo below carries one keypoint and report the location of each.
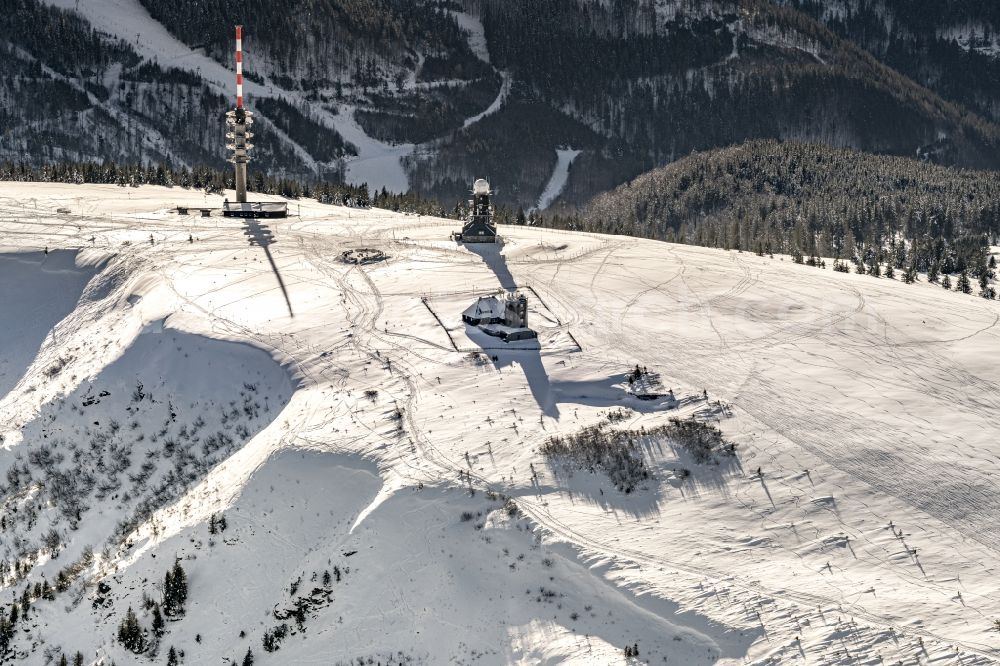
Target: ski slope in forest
(380, 466)
(378, 164)
(557, 182)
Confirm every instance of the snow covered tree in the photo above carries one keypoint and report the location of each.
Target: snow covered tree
(933, 273)
(900, 254)
(157, 621)
(172, 657)
(248, 658)
(6, 630)
(964, 285)
(946, 281)
(175, 590)
(130, 633)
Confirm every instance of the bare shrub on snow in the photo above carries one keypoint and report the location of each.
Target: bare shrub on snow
(617, 453)
(703, 441)
(620, 453)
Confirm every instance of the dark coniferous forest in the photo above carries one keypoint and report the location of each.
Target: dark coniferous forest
(751, 117)
(810, 201)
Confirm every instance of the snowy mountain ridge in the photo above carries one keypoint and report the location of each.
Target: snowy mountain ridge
(342, 469)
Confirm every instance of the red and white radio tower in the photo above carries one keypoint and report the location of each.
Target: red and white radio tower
(238, 122)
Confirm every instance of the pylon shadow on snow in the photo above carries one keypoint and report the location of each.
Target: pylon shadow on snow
(261, 236)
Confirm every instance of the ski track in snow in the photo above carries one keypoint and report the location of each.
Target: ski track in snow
(378, 164)
(128, 20)
(495, 105)
(557, 182)
(476, 34)
(861, 400)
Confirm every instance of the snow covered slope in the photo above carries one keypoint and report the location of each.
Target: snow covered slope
(382, 487)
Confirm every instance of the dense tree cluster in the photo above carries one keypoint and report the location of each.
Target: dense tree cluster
(617, 453)
(63, 40)
(811, 200)
(563, 47)
(319, 141)
(316, 43)
(515, 147)
(422, 115)
(130, 633)
(917, 38)
(7, 629)
(703, 80)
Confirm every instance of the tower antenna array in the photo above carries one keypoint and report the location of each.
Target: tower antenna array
(238, 122)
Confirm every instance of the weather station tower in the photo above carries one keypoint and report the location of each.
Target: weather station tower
(479, 227)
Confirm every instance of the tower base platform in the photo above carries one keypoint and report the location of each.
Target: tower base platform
(255, 209)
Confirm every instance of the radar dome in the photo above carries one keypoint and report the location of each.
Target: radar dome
(481, 187)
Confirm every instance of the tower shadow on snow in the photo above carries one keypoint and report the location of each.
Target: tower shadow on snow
(530, 360)
(260, 235)
(491, 255)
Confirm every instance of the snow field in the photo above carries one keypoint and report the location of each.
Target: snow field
(862, 401)
(28, 320)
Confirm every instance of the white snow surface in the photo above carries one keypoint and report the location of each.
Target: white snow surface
(30, 319)
(476, 34)
(861, 400)
(378, 164)
(557, 182)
